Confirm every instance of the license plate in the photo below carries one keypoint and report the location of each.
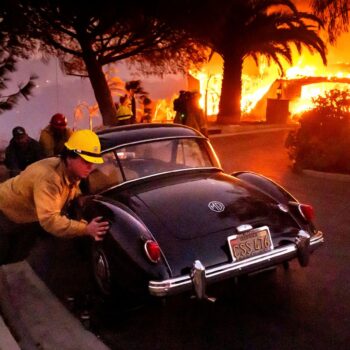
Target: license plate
(250, 243)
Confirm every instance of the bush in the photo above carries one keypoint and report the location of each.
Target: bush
(322, 142)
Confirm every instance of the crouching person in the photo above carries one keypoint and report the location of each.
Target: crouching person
(35, 200)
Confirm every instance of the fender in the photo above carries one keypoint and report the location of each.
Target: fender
(266, 185)
(127, 231)
(277, 192)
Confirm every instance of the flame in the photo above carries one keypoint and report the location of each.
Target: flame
(210, 90)
(254, 86)
(297, 71)
(259, 84)
(310, 91)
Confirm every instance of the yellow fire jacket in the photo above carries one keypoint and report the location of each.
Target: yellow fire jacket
(53, 146)
(41, 193)
(124, 113)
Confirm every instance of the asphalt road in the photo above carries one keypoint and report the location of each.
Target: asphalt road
(313, 304)
(298, 308)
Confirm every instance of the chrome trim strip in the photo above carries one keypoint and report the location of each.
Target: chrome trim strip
(115, 148)
(175, 285)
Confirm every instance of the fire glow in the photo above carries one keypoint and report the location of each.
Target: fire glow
(256, 87)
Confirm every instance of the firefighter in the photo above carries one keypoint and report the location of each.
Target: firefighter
(53, 137)
(36, 200)
(21, 151)
(124, 113)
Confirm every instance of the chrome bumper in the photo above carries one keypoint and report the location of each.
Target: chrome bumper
(303, 246)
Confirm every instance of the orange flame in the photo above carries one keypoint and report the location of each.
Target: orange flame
(258, 84)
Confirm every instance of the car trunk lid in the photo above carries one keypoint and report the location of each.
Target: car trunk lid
(192, 216)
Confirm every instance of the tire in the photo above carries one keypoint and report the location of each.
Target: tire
(101, 268)
(106, 271)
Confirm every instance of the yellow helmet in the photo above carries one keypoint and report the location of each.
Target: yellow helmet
(87, 144)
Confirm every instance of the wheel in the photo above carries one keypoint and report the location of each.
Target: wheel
(109, 268)
(106, 269)
(101, 269)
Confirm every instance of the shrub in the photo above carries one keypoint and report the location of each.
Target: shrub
(322, 141)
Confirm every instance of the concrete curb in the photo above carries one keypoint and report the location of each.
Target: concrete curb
(330, 176)
(8, 342)
(35, 316)
(229, 130)
(8, 310)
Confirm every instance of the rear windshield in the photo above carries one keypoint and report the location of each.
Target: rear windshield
(140, 160)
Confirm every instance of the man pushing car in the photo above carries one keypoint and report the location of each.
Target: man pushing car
(36, 199)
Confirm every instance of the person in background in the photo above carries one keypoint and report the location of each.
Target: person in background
(21, 151)
(195, 117)
(132, 106)
(124, 113)
(181, 107)
(53, 137)
(35, 202)
(147, 110)
(189, 113)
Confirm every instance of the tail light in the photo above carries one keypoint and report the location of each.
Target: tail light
(152, 251)
(307, 211)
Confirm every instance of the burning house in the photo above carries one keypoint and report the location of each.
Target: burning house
(268, 96)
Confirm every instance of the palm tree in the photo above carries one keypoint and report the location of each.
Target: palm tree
(260, 28)
(335, 13)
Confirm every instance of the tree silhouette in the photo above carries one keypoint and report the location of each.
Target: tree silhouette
(87, 38)
(12, 47)
(257, 28)
(335, 13)
(237, 29)
(7, 102)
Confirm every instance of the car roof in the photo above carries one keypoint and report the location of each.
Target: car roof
(121, 135)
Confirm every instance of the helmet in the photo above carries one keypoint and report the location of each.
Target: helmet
(58, 121)
(87, 144)
(18, 131)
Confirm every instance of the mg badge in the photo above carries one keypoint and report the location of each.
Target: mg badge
(216, 206)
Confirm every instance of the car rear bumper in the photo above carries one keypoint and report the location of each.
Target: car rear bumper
(276, 256)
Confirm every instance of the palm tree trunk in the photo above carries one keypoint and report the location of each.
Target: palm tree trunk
(230, 100)
(99, 84)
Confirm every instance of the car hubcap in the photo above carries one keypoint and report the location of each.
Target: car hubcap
(102, 272)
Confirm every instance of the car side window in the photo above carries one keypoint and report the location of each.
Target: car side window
(105, 175)
(146, 159)
(190, 154)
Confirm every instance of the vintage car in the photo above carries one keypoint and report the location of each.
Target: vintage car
(178, 222)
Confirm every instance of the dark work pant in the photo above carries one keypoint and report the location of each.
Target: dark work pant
(16, 240)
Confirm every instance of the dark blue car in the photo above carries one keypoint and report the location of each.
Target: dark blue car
(179, 222)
